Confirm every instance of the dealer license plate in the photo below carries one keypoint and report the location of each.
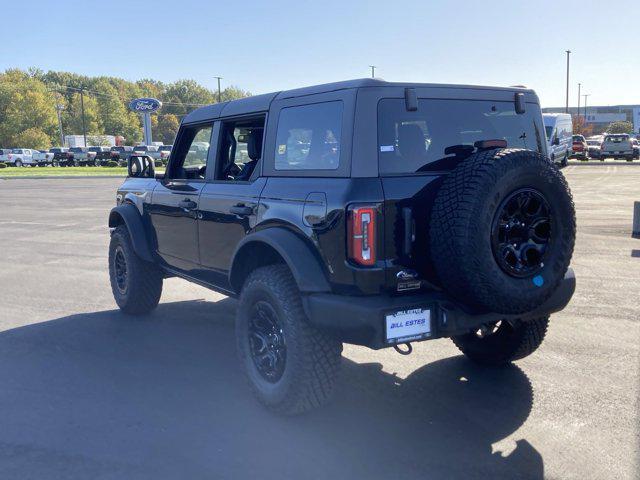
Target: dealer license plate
(407, 325)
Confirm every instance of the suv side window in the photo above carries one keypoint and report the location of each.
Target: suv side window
(308, 137)
(240, 148)
(190, 158)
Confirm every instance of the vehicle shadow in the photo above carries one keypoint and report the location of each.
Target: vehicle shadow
(102, 395)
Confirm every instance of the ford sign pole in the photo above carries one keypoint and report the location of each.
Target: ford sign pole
(145, 107)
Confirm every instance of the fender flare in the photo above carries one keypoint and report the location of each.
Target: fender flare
(297, 255)
(129, 215)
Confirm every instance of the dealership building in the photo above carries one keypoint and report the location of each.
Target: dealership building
(601, 117)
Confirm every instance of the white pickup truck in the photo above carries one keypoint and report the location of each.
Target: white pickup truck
(19, 157)
(42, 158)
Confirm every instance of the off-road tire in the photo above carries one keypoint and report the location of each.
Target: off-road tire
(144, 279)
(461, 230)
(507, 344)
(313, 357)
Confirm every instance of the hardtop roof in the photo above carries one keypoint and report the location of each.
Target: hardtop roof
(261, 103)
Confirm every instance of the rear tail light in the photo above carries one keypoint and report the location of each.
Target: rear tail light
(361, 234)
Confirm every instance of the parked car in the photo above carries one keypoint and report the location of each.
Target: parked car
(617, 146)
(579, 149)
(62, 157)
(102, 151)
(21, 156)
(42, 158)
(165, 152)
(151, 150)
(593, 147)
(121, 153)
(82, 156)
(4, 155)
(350, 220)
(636, 148)
(558, 128)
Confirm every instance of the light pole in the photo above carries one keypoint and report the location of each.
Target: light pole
(219, 92)
(59, 109)
(84, 127)
(373, 71)
(566, 108)
(578, 112)
(585, 106)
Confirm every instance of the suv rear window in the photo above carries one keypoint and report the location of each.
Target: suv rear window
(428, 138)
(309, 137)
(617, 138)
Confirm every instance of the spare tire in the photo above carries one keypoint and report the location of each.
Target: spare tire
(502, 230)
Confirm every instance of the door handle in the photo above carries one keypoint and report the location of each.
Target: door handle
(187, 204)
(241, 210)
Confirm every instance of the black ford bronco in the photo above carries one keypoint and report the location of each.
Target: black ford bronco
(365, 212)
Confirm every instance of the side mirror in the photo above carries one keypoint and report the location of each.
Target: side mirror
(141, 166)
(556, 141)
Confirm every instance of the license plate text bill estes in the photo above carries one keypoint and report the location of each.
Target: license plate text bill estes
(408, 325)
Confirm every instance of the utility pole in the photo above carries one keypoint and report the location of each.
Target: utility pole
(219, 92)
(373, 71)
(578, 113)
(566, 108)
(59, 109)
(585, 106)
(84, 127)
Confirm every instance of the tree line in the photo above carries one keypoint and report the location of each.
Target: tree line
(30, 102)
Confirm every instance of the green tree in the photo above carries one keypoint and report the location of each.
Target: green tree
(25, 103)
(73, 115)
(33, 138)
(112, 111)
(184, 95)
(620, 127)
(165, 129)
(233, 93)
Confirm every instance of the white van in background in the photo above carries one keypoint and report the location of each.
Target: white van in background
(559, 130)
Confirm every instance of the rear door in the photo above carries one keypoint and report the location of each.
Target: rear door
(174, 209)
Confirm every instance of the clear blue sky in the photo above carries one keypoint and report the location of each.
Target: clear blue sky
(274, 45)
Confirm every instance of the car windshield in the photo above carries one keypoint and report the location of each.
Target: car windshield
(548, 130)
(593, 142)
(616, 138)
(441, 132)
(165, 148)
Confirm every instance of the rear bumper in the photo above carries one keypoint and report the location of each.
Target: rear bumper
(617, 153)
(361, 320)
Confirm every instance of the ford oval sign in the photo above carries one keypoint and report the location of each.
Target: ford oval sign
(145, 105)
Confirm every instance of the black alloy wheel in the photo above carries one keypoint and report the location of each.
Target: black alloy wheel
(120, 269)
(521, 232)
(267, 342)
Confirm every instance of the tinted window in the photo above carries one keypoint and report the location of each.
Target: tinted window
(309, 137)
(191, 156)
(548, 130)
(440, 132)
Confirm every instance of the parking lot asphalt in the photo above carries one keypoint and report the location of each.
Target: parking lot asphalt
(86, 392)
